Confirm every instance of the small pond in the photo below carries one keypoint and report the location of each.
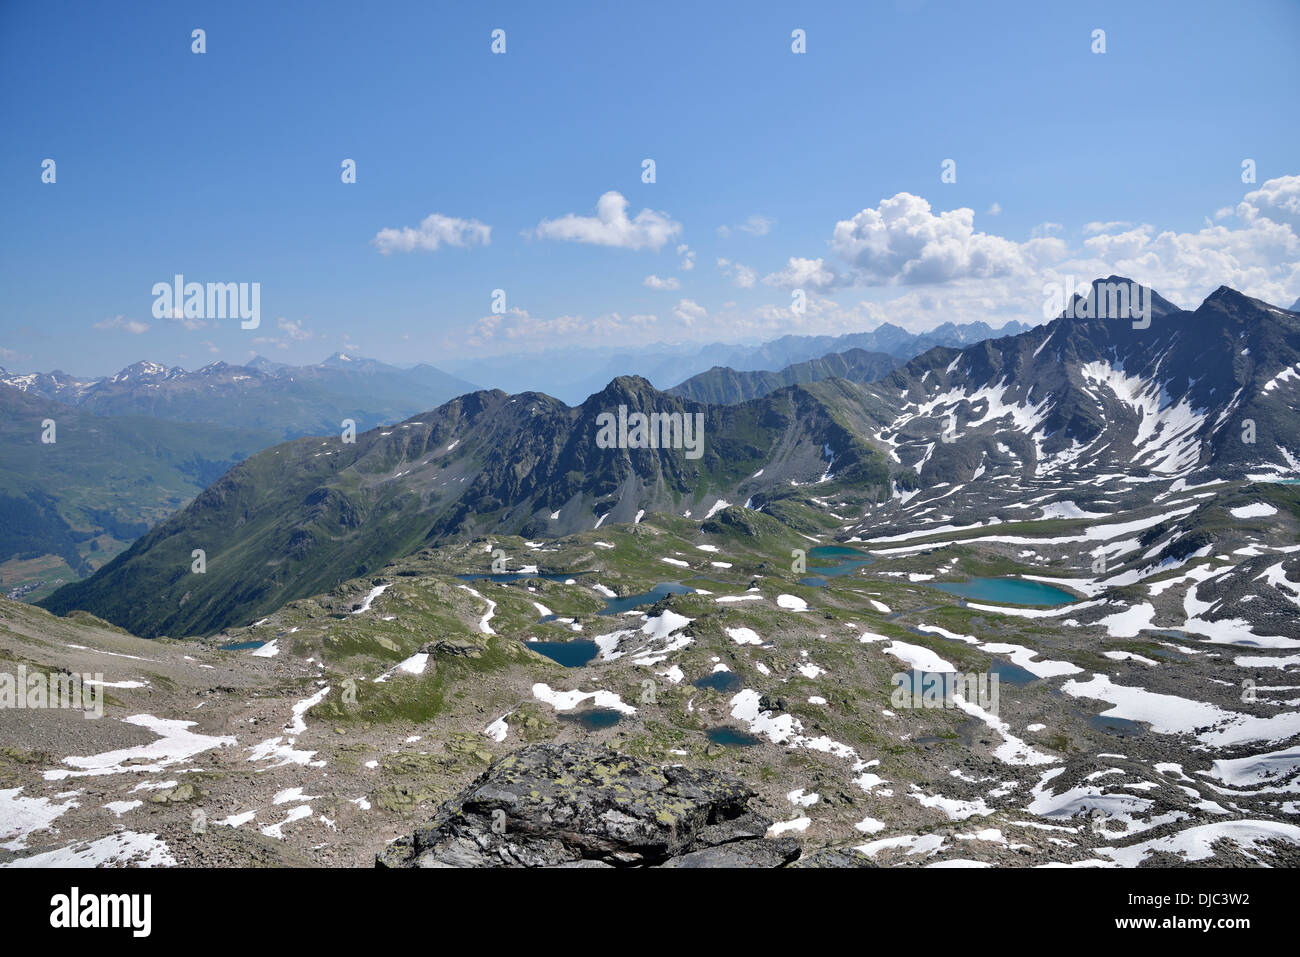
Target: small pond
(571, 654)
(593, 719)
(615, 606)
(733, 737)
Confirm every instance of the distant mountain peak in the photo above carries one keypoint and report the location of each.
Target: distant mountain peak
(144, 369)
(1101, 290)
(630, 390)
(263, 364)
(1225, 293)
(1227, 299)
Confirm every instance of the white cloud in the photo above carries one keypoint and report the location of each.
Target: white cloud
(977, 276)
(1261, 259)
(688, 257)
(294, 330)
(740, 275)
(611, 226)
(900, 242)
(995, 210)
(755, 225)
(1108, 227)
(689, 311)
(655, 282)
(434, 231)
(1259, 256)
(122, 324)
(806, 274)
(1278, 200)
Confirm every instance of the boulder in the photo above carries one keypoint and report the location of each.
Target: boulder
(569, 805)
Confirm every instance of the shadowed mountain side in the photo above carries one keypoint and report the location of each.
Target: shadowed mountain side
(301, 517)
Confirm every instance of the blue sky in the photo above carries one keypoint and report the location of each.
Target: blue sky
(225, 167)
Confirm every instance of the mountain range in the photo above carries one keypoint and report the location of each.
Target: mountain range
(1205, 390)
(299, 518)
(571, 375)
(1058, 407)
(249, 407)
(288, 401)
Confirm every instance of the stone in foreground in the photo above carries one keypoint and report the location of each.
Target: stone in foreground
(551, 805)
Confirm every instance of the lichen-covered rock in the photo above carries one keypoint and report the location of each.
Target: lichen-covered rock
(454, 648)
(552, 805)
(832, 857)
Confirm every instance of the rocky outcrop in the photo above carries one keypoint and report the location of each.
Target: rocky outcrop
(579, 805)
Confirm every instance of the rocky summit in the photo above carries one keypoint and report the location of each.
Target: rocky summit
(580, 805)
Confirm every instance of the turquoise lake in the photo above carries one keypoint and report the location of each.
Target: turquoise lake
(732, 737)
(614, 606)
(1007, 591)
(724, 681)
(846, 562)
(594, 719)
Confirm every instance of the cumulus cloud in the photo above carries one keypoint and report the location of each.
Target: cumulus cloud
(1278, 200)
(1258, 254)
(612, 227)
(122, 324)
(901, 242)
(968, 275)
(655, 282)
(689, 311)
(806, 274)
(1262, 259)
(740, 275)
(688, 257)
(995, 210)
(434, 231)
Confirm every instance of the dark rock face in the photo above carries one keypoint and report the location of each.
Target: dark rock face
(577, 805)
